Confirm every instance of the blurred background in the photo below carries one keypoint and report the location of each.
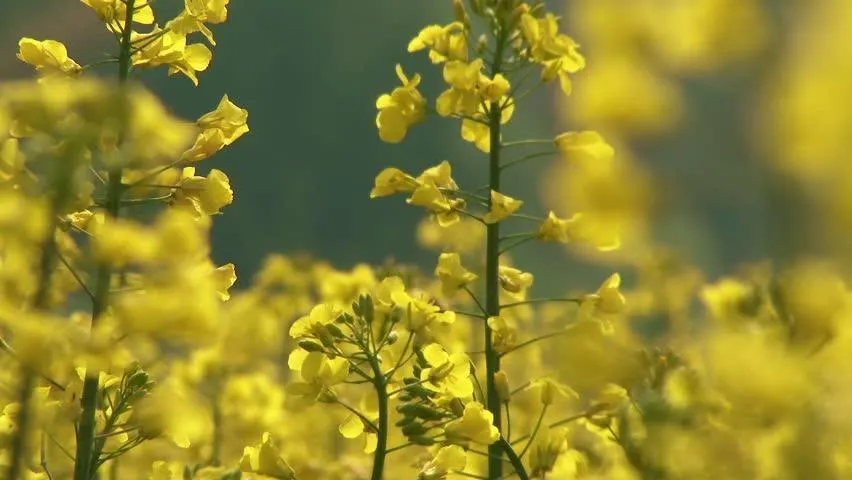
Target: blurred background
(676, 86)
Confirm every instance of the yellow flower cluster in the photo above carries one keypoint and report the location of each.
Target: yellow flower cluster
(128, 354)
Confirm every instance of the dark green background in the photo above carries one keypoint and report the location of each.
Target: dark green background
(309, 72)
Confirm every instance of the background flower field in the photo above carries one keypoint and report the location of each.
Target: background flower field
(615, 248)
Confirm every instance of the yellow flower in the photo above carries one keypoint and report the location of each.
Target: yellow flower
(195, 58)
(160, 47)
(466, 236)
(444, 42)
(49, 57)
(353, 426)
(478, 133)
(317, 372)
(604, 304)
(462, 98)
(224, 277)
(432, 199)
(383, 293)
(475, 425)
(603, 235)
(452, 274)
(440, 175)
(320, 315)
(504, 333)
(584, 146)
(553, 229)
(547, 448)
(514, 281)
(115, 11)
(493, 89)
(419, 312)
(400, 109)
(123, 242)
(555, 52)
(196, 13)
(173, 411)
(501, 207)
(205, 195)
(228, 118)
(170, 48)
(447, 459)
(726, 299)
(265, 459)
(447, 374)
(206, 144)
(549, 388)
(392, 180)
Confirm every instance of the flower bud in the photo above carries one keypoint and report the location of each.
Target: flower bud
(501, 384)
(481, 45)
(460, 14)
(310, 346)
(457, 407)
(393, 337)
(517, 13)
(324, 336)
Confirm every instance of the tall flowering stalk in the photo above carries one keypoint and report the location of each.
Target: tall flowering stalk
(118, 149)
(483, 93)
(84, 463)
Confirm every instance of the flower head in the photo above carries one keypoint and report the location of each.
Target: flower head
(400, 109)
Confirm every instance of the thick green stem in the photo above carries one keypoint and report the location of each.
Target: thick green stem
(22, 422)
(514, 459)
(492, 264)
(380, 383)
(85, 465)
(19, 442)
(61, 185)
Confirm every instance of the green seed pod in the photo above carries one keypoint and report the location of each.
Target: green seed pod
(310, 346)
(414, 428)
(324, 336)
(334, 330)
(405, 421)
(457, 407)
(420, 440)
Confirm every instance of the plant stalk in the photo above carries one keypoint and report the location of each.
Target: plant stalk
(85, 466)
(380, 383)
(492, 263)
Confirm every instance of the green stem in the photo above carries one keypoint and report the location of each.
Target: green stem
(19, 442)
(540, 300)
(534, 432)
(532, 141)
(508, 422)
(358, 414)
(84, 465)
(61, 186)
(516, 244)
(514, 459)
(399, 447)
(531, 156)
(492, 264)
(380, 384)
(534, 340)
(216, 447)
(555, 424)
